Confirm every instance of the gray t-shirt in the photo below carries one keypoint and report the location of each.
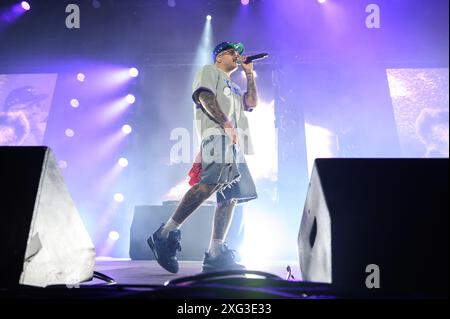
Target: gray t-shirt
(231, 101)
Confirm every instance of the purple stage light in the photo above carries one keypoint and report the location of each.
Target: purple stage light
(75, 103)
(133, 72)
(118, 197)
(130, 98)
(25, 5)
(245, 2)
(321, 1)
(113, 235)
(69, 132)
(127, 129)
(10, 15)
(81, 77)
(123, 162)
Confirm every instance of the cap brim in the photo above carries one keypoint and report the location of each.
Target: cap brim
(239, 47)
(33, 98)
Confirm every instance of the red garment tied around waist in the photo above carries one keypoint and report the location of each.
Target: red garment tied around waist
(196, 171)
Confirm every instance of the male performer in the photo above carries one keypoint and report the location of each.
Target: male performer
(22, 120)
(221, 167)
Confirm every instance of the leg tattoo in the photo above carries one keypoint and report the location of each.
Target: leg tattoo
(192, 200)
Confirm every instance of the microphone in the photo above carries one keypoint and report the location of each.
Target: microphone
(255, 57)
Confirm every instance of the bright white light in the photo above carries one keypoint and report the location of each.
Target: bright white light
(123, 162)
(177, 192)
(321, 1)
(264, 162)
(118, 197)
(25, 5)
(258, 248)
(396, 85)
(133, 72)
(130, 98)
(69, 132)
(75, 103)
(127, 129)
(81, 77)
(245, 2)
(208, 17)
(113, 235)
(320, 143)
(62, 164)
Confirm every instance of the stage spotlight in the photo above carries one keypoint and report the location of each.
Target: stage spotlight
(133, 72)
(81, 77)
(62, 164)
(123, 162)
(25, 5)
(245, 2)
(75, 103)
(113, 235)
(118, 197)
(171, 3)
(321, 1)
(208, 17)
(130, 98)
(126, 129)
(69, 132)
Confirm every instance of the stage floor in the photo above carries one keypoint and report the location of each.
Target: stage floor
(148, 272)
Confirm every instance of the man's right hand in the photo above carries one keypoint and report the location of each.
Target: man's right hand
(231, 132)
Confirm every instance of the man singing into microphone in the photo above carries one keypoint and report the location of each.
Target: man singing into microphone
(220, 166)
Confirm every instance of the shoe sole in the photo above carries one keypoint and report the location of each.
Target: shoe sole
(152, 245)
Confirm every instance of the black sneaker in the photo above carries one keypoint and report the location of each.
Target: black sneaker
(165, 250)
(225, 261)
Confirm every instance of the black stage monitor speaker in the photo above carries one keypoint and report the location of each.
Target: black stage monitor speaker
(377, 225)
(43, 240)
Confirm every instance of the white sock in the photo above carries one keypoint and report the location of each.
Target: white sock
(215, 247)
(168, 227)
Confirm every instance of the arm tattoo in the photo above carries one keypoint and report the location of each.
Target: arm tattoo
(251, 97)
(211, 105)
